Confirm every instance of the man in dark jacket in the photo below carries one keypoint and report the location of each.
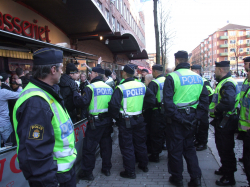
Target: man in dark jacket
(67, 85)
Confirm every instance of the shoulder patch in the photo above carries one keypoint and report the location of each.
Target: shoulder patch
(36, 132)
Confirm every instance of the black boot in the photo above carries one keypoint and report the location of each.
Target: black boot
(106, 172)
(86, 176)
(176, 182)
(195, 182)
(144, 169)
(226, 181)
(129, 175)
(154, 158)
(218, 172)
(201, 147)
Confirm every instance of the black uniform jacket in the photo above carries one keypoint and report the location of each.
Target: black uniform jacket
(35, 154)
(85, 99)
(228, 94)
(115, 103)
(168, 95)
(154, 88)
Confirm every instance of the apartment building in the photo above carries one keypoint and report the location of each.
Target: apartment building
(231, 42)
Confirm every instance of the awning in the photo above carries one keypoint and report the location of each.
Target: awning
(9, 39)
(141, 67)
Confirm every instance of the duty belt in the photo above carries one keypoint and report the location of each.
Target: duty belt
(187, 110)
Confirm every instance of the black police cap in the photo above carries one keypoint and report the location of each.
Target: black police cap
(47, 56)
(157, 67)
(98, 70)
(129, 68)
(246, 59)
(4, 76)
(71, 68)
(222, 64)
(196, 66)
(145, 70)
(107, 72)
(181, 54)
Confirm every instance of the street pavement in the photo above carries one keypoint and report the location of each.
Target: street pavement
(158, 174)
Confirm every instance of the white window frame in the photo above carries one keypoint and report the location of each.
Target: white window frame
(232, 33)
(241, 41)
(241, 33)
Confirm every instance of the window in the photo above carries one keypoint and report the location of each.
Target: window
(225, 33)
(122, 28)
(247, 32)
(248, 49)
(209, 38)
(99, 4)
(248, 41)
(225, 42)
(240, 41)
(240, 33)
(209, 53)
(205, 55)
(205, 42)
(232, 50)
(107, 14)
(209, 46)
(232, 58)
(205, 49)
(215, 36)
(118, 27)
(225, 50)
(113, 23)
(232, 33)
(117, 4)
(121, 8)
(125, 13)
(225, 58)
(241, 50)
(202, 51)
(201, 45)
(240, 57)
(232, 41)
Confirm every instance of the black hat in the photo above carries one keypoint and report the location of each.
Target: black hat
(196, 66)
(98, 70)
(181, 54)
(47, 56)
(129, 68)
(157, 67)
(246, 59)
(107, 72)
(4, 76)
(145, 70)
(71, 68)
(222, 64)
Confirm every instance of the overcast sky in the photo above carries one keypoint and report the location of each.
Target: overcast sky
(194, 20)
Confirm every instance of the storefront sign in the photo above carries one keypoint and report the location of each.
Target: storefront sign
(12, 176)
(31, 30)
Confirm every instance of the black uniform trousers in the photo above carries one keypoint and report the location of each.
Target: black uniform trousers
(202, 135)
(66, 179)
(180, 143)
(101, 135)
(133, 141)
(156, 131)
(246, 155)
(224, 140)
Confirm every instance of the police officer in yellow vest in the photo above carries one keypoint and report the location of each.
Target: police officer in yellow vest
(157, 124)
(44, 131)
(126, 107)
(201, 137)
(96, 97)
(223, 109)
(244, 119)
(185, 100)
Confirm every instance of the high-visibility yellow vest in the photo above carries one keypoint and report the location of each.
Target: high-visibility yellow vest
(187, 88)
(101, 95)
(217, 97)
(209, 89)
(64, 151)
(159, 96)
(133, 96)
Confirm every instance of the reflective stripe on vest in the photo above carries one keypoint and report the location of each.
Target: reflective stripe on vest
(244, 121)
(97, 92)
(127, 93)
(190, 79)
(67, 151)
(244, 88)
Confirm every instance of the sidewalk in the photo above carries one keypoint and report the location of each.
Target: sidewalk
(158, 172)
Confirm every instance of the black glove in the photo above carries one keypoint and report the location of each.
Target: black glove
(73, 86)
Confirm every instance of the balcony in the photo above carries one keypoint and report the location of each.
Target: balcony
(223, 54)
(247, 52)
(248, 44)
(224, 46)
(248, 36)
(223, 37)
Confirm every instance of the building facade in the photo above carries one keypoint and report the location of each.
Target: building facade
(231, 42)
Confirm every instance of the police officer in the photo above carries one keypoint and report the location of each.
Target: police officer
(223, 110)
(144, 72)
(157, 125)
(126, 107)
(67, 87)
(244, 121)
(96, 97)
(136, 73)
(185, 101)
(44, 131)
(201, 137)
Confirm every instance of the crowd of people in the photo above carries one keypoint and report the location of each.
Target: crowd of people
(162, 111)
